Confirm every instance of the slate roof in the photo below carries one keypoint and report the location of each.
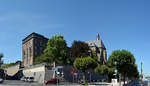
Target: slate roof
(96, 43)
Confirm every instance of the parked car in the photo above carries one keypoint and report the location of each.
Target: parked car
(30, 79)
(1, 80)
(23, 78)
(52, 81)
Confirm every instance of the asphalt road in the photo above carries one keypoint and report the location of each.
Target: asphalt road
(22, 83)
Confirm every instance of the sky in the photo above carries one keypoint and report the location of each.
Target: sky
(122, 24)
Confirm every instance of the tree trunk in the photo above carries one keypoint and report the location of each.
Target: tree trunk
(119, 79)
(124, 78)
(83, 77)
(54, 74)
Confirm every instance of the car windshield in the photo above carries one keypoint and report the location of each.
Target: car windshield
(31, 78)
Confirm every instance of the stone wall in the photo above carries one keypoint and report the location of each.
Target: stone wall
(27, 52)
(40, 72)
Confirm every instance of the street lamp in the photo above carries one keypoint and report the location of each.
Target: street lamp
(57, 77)
(115, 69)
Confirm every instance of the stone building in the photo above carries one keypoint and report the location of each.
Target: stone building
(99, 47)
(32, 46)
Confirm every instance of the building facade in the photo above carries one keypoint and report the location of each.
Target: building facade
(32, 46)
(99, 47)
(42, 72)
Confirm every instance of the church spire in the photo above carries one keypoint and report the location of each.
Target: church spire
(98, 36)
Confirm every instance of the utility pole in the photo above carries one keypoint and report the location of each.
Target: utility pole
(141, 72)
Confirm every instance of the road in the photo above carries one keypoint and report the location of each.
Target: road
(136, 83)
(21, 83)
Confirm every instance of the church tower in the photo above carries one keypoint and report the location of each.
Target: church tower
(99, 47)
(98, 36)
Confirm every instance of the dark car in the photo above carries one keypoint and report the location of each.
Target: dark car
(52, 81)
(30, 79)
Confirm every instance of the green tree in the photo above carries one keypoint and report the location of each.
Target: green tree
(79, 49)
(104, 70)
(111, 71)
(8, 65)
(121, 60)
(56, 50)
(133, 73)
(1, 56)
(84, 64)
(42, 59)
(95, 57)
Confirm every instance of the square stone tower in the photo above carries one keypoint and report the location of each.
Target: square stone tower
(32, 46)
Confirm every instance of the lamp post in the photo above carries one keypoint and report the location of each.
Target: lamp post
(115, 69)
(57, 77)
(141, 73)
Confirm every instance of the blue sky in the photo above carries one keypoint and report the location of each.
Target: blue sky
(122, 24)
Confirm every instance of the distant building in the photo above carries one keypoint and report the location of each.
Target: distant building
(32, 46)
(99, 47)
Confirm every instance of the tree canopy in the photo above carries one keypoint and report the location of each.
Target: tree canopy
(8, 65)
(84, 64)
(122, 60)
(79, 49)
(1, 56)
(42, 58)
(133, 73)
(56, 49)
(95, 57)
(104, 70)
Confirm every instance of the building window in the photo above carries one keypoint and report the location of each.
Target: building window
(35, 48)
(41, 44)
(35, 42)
(30, 50)
(41, 49)
(23, 53)
(27, 52)
(35, 53)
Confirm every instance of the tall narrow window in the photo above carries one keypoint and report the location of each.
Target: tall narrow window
(27, 57)
(30, 50)
(23, 53)
(41, 44)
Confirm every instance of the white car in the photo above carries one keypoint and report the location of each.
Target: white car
(1, 80)
(22, 79)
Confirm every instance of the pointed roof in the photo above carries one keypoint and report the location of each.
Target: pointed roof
(98, 38)
(96, 43)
